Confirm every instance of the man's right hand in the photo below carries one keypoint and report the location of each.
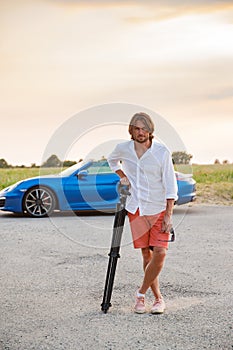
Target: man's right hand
(123, 178)
(124, 181)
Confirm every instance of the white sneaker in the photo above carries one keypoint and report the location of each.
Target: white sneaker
(140, 307)
(158, 306)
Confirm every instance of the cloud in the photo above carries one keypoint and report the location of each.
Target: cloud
(149, 2)
(169, 9)
(162, 3)
(150, 10)
(222, 94)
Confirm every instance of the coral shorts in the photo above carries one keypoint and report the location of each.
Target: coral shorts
(147, 230)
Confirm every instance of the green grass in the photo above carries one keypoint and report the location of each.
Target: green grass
(214, 183)
(211, 173)
(12, 175)
(214, 173)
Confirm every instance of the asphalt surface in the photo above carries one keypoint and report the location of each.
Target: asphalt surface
(52, 274)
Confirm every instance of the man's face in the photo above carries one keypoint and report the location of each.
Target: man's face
(140, 132)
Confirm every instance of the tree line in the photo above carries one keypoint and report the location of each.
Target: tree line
(178, 157)
(52, 162)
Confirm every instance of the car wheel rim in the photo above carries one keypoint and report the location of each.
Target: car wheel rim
(38, 202)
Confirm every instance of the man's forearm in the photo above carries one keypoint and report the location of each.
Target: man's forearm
(120, 173)
(169, 207)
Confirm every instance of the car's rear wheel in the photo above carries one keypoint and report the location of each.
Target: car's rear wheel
(39, 202)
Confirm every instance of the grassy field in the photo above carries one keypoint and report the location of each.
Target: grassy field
(214, 182)
(12, 175)
(215, 173)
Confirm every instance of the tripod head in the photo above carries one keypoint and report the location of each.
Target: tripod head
(123, 191)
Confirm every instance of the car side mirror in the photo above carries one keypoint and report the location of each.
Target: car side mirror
(82, 174)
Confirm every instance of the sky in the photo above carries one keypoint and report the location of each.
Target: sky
(60, 58)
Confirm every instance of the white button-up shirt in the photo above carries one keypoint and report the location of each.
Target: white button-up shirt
(152, 177)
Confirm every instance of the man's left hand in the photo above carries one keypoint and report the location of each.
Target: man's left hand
(167, 223)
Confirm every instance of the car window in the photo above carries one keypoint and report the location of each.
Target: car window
(70, 170)
(99, 167)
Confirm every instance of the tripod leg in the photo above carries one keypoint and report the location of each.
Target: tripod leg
(115, 247)
(109, 283)
(113, 257)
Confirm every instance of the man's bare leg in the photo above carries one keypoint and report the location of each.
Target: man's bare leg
(153, 264)
(147, 256)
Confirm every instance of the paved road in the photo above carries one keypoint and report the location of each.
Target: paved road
(52, 274)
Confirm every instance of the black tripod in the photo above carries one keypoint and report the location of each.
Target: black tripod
(115, 246)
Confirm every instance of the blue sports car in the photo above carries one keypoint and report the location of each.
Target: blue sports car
(89, 186)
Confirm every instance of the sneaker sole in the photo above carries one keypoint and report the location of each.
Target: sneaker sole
(157, 312)
(140, 311)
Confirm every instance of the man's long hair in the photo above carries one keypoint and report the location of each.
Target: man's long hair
(146, 120)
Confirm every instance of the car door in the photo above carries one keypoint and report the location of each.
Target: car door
(92, 189)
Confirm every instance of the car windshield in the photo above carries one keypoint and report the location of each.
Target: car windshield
(92, 167)
(97, 167)
(71, 169)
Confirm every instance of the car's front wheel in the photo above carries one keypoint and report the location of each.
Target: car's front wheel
(39, 202)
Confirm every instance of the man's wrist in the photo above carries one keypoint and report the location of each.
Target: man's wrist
(169, 208)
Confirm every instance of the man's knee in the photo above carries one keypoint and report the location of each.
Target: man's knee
(146, 253)
(159, 252)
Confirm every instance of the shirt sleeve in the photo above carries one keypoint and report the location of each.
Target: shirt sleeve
(114, 159)
(169, 177)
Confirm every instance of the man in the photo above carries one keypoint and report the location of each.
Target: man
(146, 166)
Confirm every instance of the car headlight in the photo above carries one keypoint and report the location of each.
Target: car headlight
(10, 188)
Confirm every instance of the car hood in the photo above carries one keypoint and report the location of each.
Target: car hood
(32, 181)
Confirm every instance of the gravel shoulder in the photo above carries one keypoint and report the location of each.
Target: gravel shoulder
(52, 274)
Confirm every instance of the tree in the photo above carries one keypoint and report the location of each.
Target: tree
(225, 161)
(3, 163)
(181, 157)
(68, 163)
(52, 162)
(217, 161)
